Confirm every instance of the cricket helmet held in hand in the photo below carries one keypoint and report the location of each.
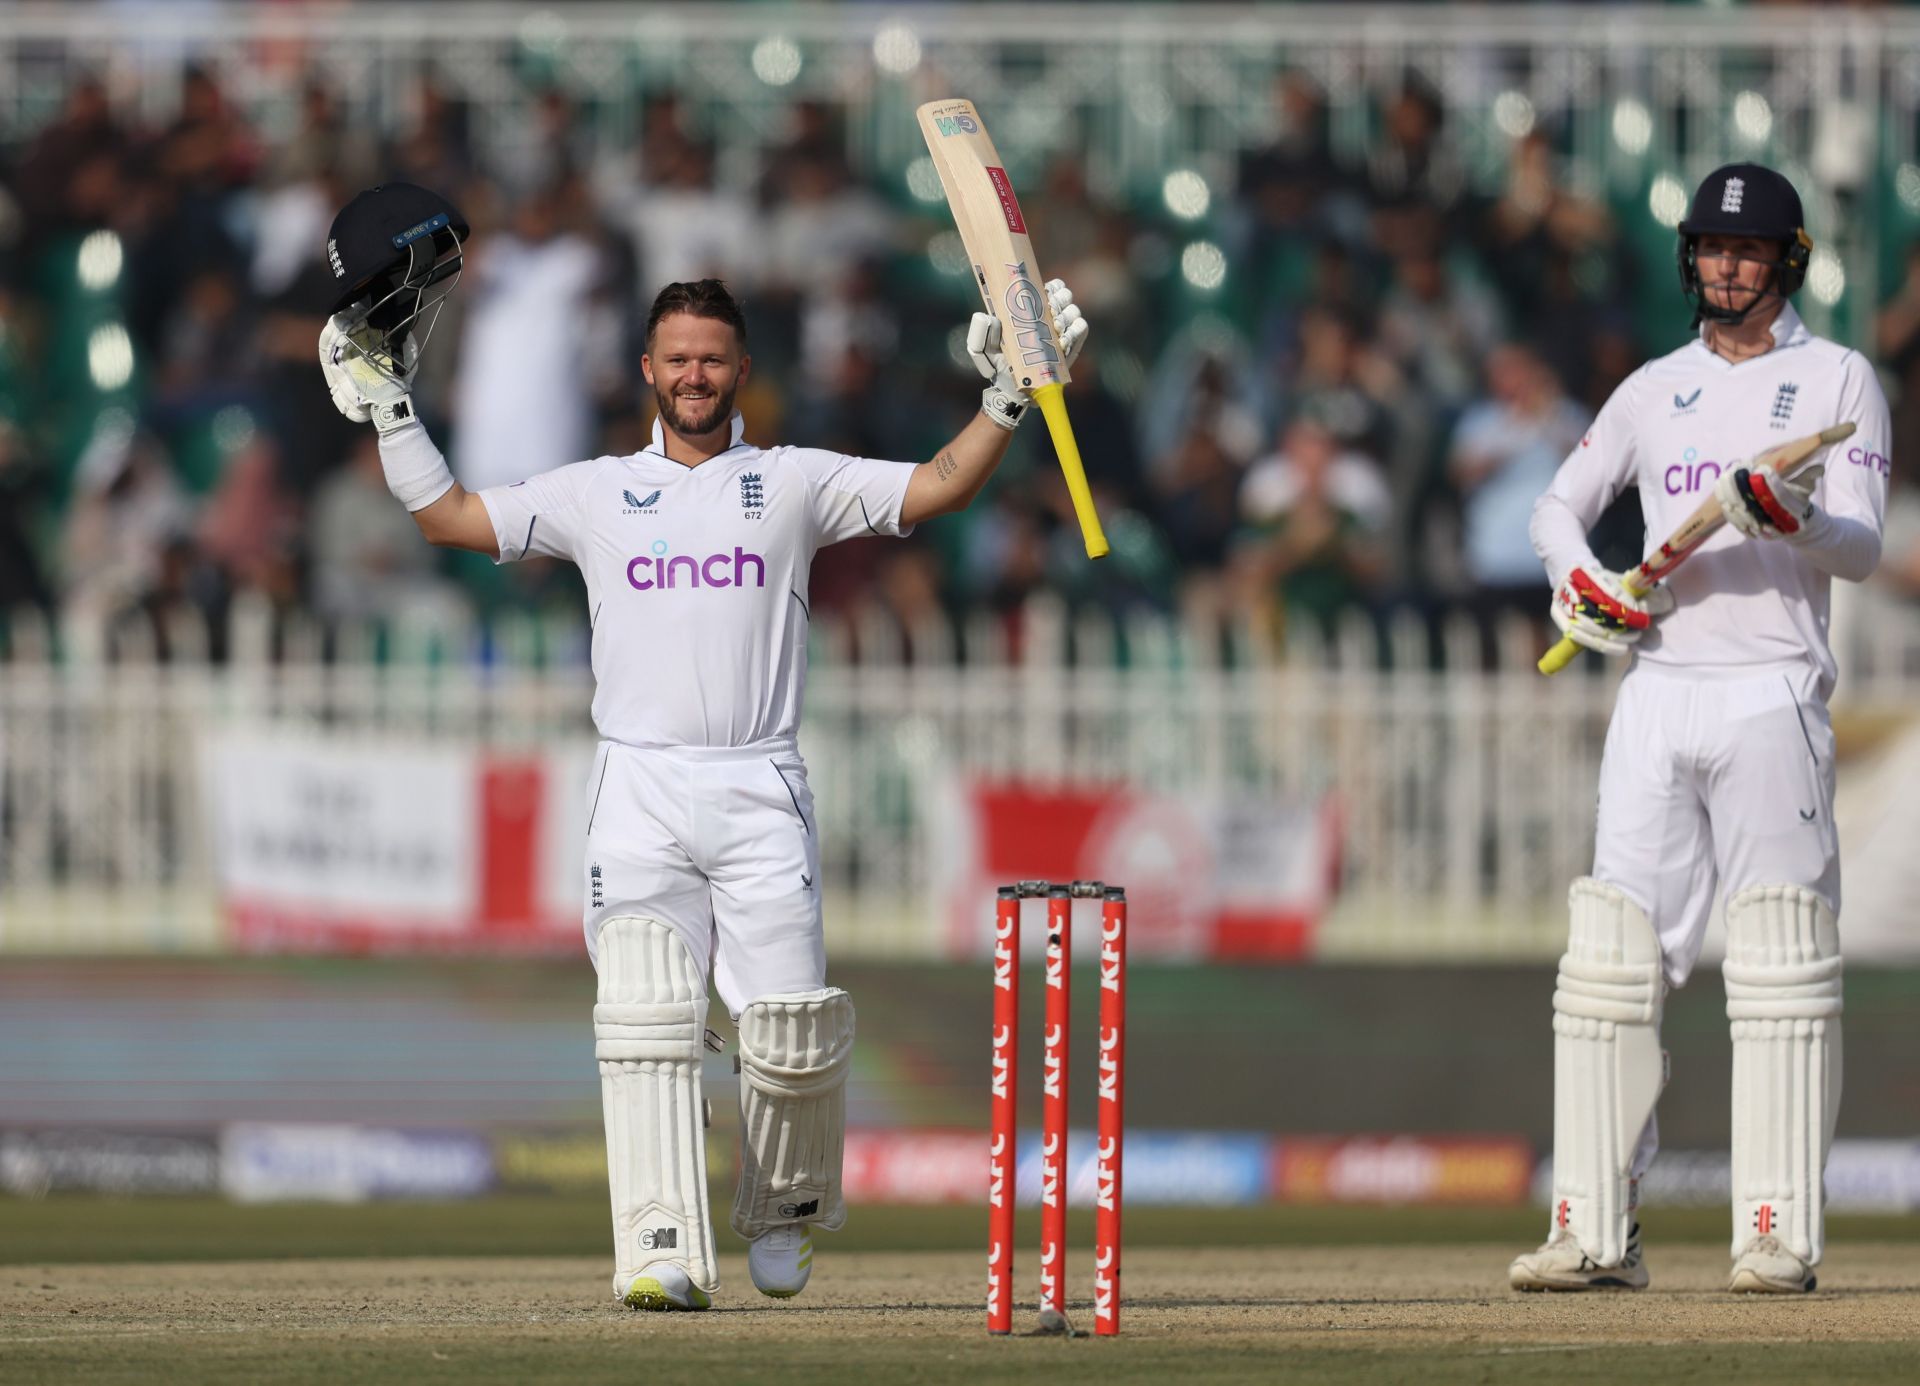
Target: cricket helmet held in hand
(387, 248)
(1745, 200)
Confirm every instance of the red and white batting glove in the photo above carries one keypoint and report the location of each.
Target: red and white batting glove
(1764, 506)
(1593, 608)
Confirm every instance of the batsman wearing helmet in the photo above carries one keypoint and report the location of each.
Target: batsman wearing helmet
(702, 863)
(1718, 769)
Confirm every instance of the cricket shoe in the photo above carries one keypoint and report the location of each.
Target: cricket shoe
(664, 1286)
(1562, 1265)
(780, 1260)
(1767, 1268)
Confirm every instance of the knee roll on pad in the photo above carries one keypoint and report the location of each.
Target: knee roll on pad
(795, 1050)
(648, 1026)
(1608, 1068)
(1783, 978)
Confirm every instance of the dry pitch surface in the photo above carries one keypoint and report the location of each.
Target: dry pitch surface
(1310, 1314)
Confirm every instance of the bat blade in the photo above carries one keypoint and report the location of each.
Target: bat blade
(993, 228)
(1787, 460)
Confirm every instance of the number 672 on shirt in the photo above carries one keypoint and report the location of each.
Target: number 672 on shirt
(1785, 460)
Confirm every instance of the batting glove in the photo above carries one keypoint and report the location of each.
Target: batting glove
(1762, 505)
(1594, 609)
(1003, 400)
(364, 380)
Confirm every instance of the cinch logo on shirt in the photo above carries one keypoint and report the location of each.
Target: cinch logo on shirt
(1689, 474)
(1866, 457)
(656, 570)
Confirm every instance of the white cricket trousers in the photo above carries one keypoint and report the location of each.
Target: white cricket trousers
(722, 846)
(1714, 781)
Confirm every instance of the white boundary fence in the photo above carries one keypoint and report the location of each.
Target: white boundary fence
(1466, 797)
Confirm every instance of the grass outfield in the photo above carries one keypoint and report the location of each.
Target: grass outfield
(156, 1292)
(78, 1229)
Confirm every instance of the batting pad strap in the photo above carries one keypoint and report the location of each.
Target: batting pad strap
(641, 1033)
(1810, 991)
(795, 1052)
(1627, 995)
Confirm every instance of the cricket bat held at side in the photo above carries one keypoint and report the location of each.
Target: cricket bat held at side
(1786, 460)
(994, 232)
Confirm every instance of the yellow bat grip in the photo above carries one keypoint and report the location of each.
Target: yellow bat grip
(1054, 409)
(1560, 656)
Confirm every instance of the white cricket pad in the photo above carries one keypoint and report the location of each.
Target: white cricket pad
(1608, 1068)
(1783, 1001)
(647, 1031)
(795, 1051)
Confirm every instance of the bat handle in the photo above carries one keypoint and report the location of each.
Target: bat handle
(1559, 657)
(1054, 409)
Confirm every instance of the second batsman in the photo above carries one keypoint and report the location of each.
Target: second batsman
(1718, 770)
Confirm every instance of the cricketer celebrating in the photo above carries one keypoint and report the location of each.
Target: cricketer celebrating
(702, 857)
(1718, 768)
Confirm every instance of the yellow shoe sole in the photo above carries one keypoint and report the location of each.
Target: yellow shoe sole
(648, 1294)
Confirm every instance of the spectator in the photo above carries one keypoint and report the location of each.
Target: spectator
(826, 226)
(368, 561)
(206, 342)
(65, 160)
(20, 581)
(1437, 325)
(1200, 386)
(249, 533)
(1537, 223)
(1897, 334)
(1199, 507)
(1317, 518)
(434, 150)
(682, 226)
(1504, 454)
(1285, 185)
(1410, 171)
(309, 178)
(527, 290)
(1343, 383)
(126, 513)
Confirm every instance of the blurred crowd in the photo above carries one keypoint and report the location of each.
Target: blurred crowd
(1359, 419)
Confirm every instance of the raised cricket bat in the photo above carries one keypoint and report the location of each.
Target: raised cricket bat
(1786, 460)
(995, 233)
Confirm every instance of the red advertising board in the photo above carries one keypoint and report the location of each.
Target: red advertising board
(1207, 876)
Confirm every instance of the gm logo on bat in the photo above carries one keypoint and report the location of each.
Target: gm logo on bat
(956, 125)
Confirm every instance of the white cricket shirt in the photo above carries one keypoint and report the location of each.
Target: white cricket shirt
(697, 577)
(1671, 429)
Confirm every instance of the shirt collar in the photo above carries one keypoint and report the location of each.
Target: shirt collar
(737, 436)
(1787, 330)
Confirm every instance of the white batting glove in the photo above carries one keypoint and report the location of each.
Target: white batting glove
(1003, 400)
(1762, 505)
(1593, 608)
(365, 382)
